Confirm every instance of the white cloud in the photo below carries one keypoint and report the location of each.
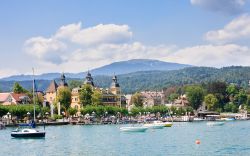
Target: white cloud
(58, 48)
(46, 49)
(238, 28)
(109, 33)
(62, 53)
(230, 7)
(212, 55)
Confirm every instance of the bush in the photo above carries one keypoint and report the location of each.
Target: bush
(55, 116)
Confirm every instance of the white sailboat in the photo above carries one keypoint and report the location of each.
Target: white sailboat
(29, 132)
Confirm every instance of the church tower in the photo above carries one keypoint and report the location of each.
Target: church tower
(89, 79)
(63, 81)
(116, 90)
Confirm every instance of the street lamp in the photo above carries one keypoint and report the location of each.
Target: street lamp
(63, 114)
(8, 115)
(28, 115)
(46, 115)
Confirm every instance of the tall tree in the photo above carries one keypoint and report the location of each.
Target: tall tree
(195, 95)
(97, 98)
(64, 97)
(17, 88)
(173, 96)
(241, 98)
(137, 100)
(211, 102)
(85, 95)
(74, 83)
(219, 90)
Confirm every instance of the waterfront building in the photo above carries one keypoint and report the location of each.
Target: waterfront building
(110, 96)
(181, 101)
(51, 92)
(153, 98)
(14, 98)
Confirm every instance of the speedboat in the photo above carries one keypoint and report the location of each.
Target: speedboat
(133, 129)
(216, 123)
(168, 124)
(155, 125)
(27, 133)
(227, 119)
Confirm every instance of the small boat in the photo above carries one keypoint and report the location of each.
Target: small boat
(198, 119)
(155, 125)
(227, 119)
(27, 133)
(215, 123)
(133, 129)
(168, 124)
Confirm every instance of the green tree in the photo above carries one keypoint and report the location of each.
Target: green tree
(137, 100)
(232, 89)
(85, 95)
(17, 88)
(64, 97)
(231, 107)
(248, 101)
(72, 111)
(173, 96)
(241, 98)
(195, 96)
(74, 84)
(97, 98)
(219, 90)
(211, 102)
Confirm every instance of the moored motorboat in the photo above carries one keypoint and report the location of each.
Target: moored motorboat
(155, 125)
(215, 123)
(227, 119)
(168, 124)
(134, 129)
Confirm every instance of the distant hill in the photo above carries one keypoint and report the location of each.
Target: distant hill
(157, 80)
(135, 65)
(118, 68)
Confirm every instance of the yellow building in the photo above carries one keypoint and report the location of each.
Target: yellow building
(110, 96)
(51, 92)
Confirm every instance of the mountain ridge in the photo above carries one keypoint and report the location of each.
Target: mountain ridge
(121, 67)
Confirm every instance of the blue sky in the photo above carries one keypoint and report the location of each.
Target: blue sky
(73, 36)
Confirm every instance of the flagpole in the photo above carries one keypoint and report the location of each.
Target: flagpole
(34, 93)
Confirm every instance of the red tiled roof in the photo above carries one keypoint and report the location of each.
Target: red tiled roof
(52, 87)
(4, 96)
(17, 96)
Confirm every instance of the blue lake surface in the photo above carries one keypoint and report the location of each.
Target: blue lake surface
(233, 138)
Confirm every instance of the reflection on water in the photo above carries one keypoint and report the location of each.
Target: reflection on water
(229, 139)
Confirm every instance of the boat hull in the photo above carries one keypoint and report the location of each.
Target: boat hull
(154, 126)
(168, 125)
(133, 129)
(215, 123)
(28, 135)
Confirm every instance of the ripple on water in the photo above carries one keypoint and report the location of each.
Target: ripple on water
(229, 139)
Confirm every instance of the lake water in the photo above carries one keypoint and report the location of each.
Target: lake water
(233, 138)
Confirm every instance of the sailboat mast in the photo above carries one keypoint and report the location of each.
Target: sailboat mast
(34, 93)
